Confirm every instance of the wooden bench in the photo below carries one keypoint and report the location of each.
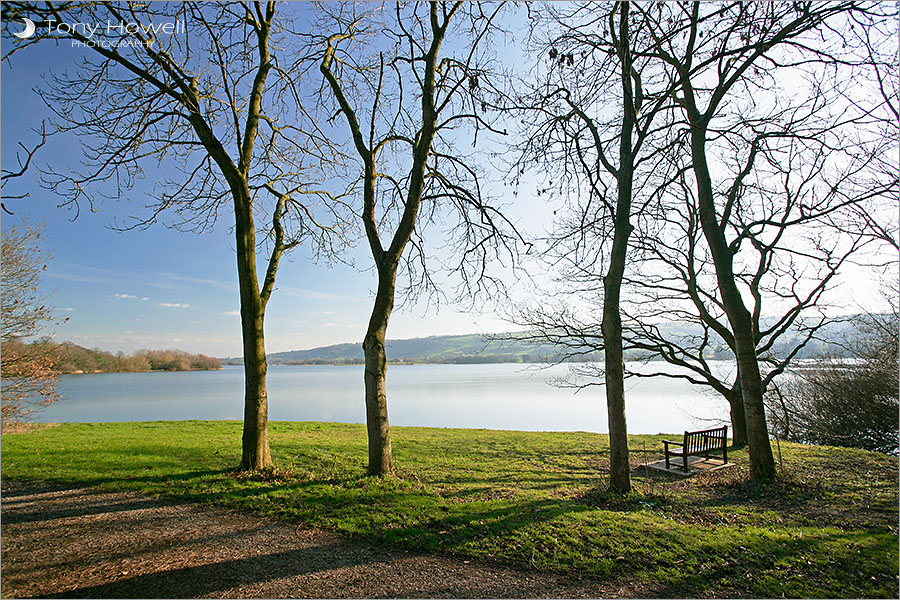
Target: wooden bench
(698, 443)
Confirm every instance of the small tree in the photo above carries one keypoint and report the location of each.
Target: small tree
(29, 379)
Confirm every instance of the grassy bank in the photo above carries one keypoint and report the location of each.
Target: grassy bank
(827, 529)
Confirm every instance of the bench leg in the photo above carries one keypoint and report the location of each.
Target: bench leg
(685, 467)
(667, 461)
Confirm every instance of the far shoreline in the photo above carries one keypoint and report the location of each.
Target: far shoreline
(100, 372)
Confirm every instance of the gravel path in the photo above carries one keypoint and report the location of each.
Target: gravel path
(82, 543)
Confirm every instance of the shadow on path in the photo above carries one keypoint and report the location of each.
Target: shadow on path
(214, 578)
(60, 542)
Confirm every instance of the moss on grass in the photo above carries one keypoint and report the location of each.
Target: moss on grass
(826, 528)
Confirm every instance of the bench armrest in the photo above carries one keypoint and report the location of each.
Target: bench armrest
(667, 442)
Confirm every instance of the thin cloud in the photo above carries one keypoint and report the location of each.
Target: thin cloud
(84, 273)
(225, 285)
(173, 305)
(312, 294)
(232, 313)
(123, 296)
(78, 278)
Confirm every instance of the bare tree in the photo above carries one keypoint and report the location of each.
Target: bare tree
(592, 114)
(789, 243)
(195, 93)
(805, 199)
(408, 80)
(720, 55)
(27, 371)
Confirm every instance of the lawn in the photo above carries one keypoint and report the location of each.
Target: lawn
(827, 528)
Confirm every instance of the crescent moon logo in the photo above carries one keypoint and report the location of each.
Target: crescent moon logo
(29, 29)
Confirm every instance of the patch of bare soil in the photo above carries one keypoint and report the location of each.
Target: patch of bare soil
(80, 543)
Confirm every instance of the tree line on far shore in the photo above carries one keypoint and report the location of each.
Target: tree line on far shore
(68, 358)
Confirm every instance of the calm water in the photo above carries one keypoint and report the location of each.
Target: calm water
(496, 396)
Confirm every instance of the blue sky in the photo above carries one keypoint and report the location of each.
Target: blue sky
(161, 288)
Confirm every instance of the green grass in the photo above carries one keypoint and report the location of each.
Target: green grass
(827, 528)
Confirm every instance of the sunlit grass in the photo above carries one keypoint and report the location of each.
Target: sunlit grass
(827, 528)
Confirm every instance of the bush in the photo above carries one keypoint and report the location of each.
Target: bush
(850, 402)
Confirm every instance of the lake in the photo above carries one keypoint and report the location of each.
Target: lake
(493, 396)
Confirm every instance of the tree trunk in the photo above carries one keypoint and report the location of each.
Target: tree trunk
(738, 418)
(614, 366)
(377, 425)
(255, 440)
(614, 370)
(762, 462)
(613, 355)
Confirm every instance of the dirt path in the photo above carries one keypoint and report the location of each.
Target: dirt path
(64, 542)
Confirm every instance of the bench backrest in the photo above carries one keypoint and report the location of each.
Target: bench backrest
(705, 440)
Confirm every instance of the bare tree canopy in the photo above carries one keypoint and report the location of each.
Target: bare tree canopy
(766, 176)
(409, 81)
(195, 98)
(28, 373)
(592, 111)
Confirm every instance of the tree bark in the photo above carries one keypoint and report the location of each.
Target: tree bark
(613, 355)
(255, 439)
(377, 425)
(738, 418)
(614, 372)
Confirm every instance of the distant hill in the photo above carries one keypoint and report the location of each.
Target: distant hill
(473, 348)
(477, 348)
